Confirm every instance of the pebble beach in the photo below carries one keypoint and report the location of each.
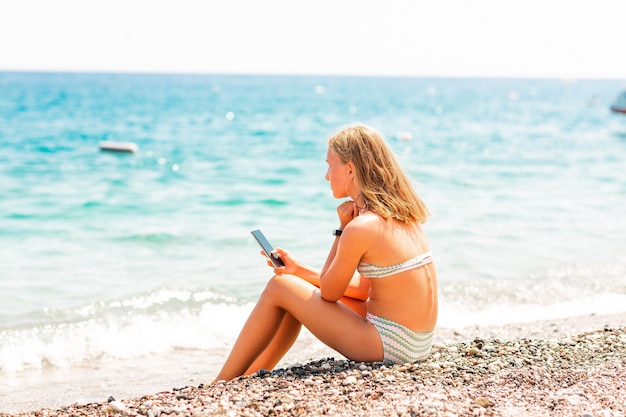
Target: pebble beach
(558, 374)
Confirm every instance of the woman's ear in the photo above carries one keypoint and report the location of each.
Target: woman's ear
(350, 168)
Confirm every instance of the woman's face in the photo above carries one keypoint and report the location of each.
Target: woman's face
(339, 175)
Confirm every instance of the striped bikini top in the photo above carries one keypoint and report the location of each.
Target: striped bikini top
(375, 271)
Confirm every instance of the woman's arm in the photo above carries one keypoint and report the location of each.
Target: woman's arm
(294, 267)
(346, 211)
(357, 287)
(337, 278)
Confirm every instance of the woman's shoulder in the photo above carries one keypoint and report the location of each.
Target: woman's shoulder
(368, 221)
(373, 225)
(367, 228)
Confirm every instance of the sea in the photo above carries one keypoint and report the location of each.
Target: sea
(131, 273)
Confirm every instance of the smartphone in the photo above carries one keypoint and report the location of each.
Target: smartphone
(267, 248)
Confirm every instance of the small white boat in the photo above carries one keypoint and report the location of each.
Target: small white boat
(619, 106)
(112, 146)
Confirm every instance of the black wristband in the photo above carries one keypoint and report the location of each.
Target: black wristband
(337, 232)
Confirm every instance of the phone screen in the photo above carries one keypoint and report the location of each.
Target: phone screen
(267, 248)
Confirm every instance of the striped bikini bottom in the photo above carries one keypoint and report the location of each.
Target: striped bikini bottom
(401, 344)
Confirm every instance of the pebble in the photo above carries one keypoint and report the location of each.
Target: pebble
(473, 351)
(116, 405)
(483, 402)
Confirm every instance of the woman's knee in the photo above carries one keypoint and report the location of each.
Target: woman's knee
(285, 286)
(278, 283)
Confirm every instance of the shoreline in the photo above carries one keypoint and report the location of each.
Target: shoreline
(573, 366)
(543, 329)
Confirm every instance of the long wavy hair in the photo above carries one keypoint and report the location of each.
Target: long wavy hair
(384, 186)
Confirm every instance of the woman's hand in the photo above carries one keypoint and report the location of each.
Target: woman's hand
(346, 212)
(290, 263)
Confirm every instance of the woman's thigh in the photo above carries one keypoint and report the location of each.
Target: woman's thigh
(340, 325)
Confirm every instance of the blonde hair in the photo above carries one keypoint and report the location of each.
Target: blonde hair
(384, 186)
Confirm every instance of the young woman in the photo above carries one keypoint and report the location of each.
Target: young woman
(376, 296)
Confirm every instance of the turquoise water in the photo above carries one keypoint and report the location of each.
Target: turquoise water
(146, 258)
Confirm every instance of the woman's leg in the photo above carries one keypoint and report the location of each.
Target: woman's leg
(333, 323)
(288, 333)
(281, 343)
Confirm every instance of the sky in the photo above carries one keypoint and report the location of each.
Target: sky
(572, 39)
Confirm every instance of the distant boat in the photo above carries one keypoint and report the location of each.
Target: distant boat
(619, 106)
(111, 146)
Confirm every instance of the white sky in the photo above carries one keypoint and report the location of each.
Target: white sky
(501, 38)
